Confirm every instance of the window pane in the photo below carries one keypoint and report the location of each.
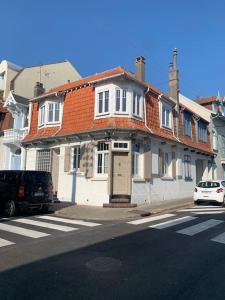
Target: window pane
(134, 102)
(106, 101)
(50, 112)
(124, 103)
(106, 163)
(117, 100)
(57, 106)
(100, 101)
(99, 170)
(75, 158)
(163, 115)
(138, 105)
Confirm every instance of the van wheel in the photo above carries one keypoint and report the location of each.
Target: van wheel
(10, 208)
(45, 209)
(223, 203)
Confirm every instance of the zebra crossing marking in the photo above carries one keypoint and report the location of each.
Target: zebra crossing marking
(69, 221)
(45, 225)
(150, 219)
(4, 243)
(22, 231)
(192, 230)
(202, 209)
(173, 222)
(207, 212)
(219, 238)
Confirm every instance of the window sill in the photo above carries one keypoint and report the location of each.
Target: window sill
(167, 178)
(102, 115)
(49, 125)
(139, 118)
(78, 173)
(138, 180)
(188, 179)
(166, 127)
(99, 179)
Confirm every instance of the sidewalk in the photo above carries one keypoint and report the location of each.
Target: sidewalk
(72, 211)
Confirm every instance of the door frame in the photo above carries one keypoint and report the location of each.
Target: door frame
(110, 182)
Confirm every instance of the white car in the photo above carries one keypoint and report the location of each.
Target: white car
(210, 191)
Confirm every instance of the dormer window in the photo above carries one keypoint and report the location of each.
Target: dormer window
(187, 123)
(50, 113)
(103, 102)
(166, 115)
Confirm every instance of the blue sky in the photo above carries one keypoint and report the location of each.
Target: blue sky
(98, 35)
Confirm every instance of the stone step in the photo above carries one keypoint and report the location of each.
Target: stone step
(120, 200)
(119, 205)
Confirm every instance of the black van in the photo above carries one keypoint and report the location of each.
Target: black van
(23, 190)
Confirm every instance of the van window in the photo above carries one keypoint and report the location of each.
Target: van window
(9, 177)
(37, 178)
(209, 184)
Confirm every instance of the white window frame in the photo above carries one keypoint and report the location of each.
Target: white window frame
(123, 96)
(136, 161)
(43, 119)
(104, 166)
(104, 111)
(137, 104)
(42, 114)
(76, 157)
(168, 108)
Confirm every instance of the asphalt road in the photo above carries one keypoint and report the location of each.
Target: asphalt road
(117, 261)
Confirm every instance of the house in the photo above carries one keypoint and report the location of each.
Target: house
(17, 86)
(214, 105)
(113, 139)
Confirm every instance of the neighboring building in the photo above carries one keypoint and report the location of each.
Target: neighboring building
(113, 137)
(215, 107)
(17, 86)
(8, 71)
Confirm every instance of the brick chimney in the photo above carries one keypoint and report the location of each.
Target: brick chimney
(174, 86)
(140, 68)
(174, 77)
(38, 89)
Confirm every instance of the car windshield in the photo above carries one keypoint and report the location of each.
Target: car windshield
(208, 184)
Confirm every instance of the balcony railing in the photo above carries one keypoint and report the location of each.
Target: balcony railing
(14, 136)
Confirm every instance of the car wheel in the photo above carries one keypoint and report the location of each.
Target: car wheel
(45, 209)
(10, 208)
(196, 202)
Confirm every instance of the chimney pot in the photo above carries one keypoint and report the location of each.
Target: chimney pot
(38, 89)
(140, 68)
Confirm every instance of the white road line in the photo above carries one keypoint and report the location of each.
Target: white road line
(192, 230)
(69, 221)
(45, 225)
(207, 212)
(4, 243)
(172, 222)
(150, 219)
(219, 238)
(22, 231)
(201, 209)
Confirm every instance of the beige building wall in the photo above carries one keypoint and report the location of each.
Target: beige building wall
(51, 75)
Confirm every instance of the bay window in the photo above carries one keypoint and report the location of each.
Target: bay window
(103, 102)
(136, 110)
(121, 101)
